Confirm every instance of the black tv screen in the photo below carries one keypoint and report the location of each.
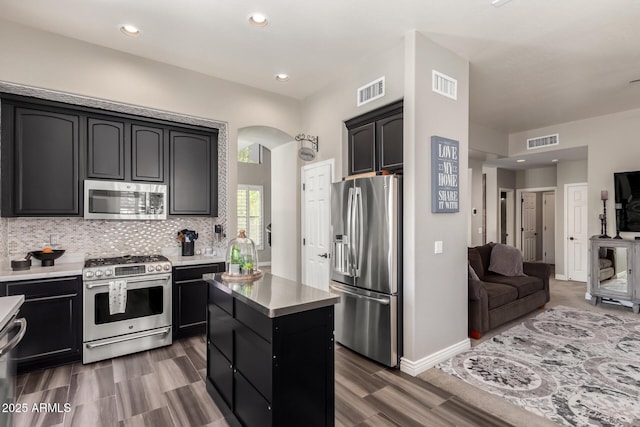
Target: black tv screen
(627, 186)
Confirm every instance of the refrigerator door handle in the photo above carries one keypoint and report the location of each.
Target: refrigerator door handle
(357, 295)
(350, 230)
(360, 229)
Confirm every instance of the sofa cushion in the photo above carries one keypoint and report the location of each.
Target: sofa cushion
(499, 294)
(606, 273)
(506, 260)
(472, 273)
(485, 256)
(605, 262)
(525, 285)
(475, 262)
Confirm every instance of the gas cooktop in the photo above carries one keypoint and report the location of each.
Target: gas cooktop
(123, 260)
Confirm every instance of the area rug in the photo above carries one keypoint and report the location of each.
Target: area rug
(574, 367)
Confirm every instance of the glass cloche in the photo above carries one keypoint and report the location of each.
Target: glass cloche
(242, 258)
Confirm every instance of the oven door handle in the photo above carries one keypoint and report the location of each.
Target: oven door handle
(22, 323)
(128, 338)
(99, 285)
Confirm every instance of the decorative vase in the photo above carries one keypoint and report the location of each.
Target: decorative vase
(242, 257)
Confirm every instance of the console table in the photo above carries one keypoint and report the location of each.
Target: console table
(613, 273)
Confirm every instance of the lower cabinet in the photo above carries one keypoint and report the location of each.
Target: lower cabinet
(53, 310)
(264, 371)
(190, 298)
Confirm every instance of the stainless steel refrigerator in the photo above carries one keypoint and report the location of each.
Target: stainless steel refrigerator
(366, 267)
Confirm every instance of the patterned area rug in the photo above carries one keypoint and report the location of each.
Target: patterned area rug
(574, 367)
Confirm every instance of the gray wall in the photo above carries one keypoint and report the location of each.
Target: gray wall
(260, 174)
(475, 165)
(536, 178)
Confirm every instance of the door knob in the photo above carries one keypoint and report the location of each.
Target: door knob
(570, 238)
(324, 255)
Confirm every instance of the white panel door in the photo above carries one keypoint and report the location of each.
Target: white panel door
(529, 226)
(316, 198)
(548, 227)
(577, 234)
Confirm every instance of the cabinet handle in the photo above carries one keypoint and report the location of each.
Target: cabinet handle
(180, 282)
(52, 297)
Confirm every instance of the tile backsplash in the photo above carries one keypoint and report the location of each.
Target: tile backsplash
(97, 238)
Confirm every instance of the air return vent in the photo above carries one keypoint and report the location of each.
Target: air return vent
(444, 85)
(371, 91)
(543, 141)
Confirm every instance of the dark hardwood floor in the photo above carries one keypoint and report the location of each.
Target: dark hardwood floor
(165, 387)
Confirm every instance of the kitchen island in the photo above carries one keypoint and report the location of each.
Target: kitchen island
(270, 352)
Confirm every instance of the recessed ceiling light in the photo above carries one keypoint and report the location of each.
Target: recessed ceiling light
(258, 20)
(554, 161)
(498, 3)
(282, 77)
(130, 30)
(520, 161)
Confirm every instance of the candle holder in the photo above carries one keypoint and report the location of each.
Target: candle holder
(603, 217)
(618, 207)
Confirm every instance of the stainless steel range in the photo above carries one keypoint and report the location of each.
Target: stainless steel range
(126, 305)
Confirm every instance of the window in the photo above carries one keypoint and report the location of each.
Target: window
(250, 213)
(250, 154)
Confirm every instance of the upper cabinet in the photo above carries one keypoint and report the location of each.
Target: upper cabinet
(194, 173)
(375, 140)
(105, 149)
(125, 150)
(40, 158)
(48, 148)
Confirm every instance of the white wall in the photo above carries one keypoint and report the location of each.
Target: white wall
(613, 147)
(492, 201)
(324, 112)
(476, 201)
(435, 285)
(285, 207)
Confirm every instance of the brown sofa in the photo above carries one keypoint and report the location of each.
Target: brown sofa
(495, 299)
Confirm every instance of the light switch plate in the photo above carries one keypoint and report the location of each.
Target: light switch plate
(438, 246)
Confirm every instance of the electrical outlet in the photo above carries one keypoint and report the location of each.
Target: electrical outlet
(54, 239)
(438, 247)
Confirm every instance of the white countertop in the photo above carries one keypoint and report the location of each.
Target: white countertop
(39, 272)
(275, 296)
(178, 260)
(9, 306)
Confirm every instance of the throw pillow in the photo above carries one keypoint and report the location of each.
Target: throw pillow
(472, 273)
(506, 260)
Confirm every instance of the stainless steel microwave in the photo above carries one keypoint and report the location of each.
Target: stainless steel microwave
(124, 200)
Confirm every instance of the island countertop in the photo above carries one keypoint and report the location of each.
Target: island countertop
(274, 296)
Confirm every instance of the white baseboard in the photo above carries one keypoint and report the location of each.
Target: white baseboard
(266, 263)
(414, 368)
(561, 277)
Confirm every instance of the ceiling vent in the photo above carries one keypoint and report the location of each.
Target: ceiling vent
(543, 141)
(444, 85)
(371, 91)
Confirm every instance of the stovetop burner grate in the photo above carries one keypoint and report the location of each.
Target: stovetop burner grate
(126, 259)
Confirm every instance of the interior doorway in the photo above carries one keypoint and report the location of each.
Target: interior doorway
(535, 225)
(506, 215)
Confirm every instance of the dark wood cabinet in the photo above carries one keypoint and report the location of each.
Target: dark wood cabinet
(194, 173)
(49, 147)
(375, 140)
(40, 153)
(53, 310)
(105, 149)
(190, 298)
(147, 153)
(362, 149)
(264, 371)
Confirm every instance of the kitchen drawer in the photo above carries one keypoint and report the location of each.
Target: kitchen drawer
(221, 299)
(253, 359)
(196, 272)
(221, 326)
(41, 288)
(250, 407)
(220, 372)
(261, 324)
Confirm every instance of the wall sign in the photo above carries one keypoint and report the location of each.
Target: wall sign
(445, 185)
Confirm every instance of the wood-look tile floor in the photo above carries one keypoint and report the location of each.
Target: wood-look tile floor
(165, 387)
